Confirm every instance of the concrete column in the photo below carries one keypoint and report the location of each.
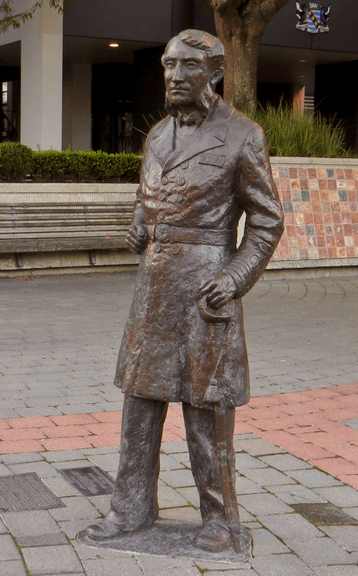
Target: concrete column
(77, 106)
(41, 80)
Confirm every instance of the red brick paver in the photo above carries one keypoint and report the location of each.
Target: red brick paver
(306, 424)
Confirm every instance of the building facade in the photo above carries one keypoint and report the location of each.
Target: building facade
(91, 77)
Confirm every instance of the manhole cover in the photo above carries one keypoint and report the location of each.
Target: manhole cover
(325, 514)
(90, 480)
(22, 492)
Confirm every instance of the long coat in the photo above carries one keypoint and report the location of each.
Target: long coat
(198, 192)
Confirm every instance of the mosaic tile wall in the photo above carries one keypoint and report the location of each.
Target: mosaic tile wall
(321, 212)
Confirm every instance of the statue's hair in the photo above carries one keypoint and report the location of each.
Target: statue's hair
(206, 42)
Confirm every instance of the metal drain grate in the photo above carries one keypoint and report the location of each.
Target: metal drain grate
(325, 514)
(21, 492)
(89, 480)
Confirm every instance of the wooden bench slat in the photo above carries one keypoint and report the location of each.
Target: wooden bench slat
(61, 223)
(60, 244)
(59, 226)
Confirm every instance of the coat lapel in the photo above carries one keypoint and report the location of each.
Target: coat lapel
(211, 134)
(162, 142)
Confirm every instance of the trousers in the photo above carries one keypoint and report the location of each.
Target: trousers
(134, 502)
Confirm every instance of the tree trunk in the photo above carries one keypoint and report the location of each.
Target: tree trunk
(241, 49)
(240, 25)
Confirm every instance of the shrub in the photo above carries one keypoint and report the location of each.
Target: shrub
(16, 161)
(307, 135)
(68, 166)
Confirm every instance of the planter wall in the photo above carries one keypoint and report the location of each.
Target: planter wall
(320, 200)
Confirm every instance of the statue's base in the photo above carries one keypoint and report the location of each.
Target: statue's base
(174, 539)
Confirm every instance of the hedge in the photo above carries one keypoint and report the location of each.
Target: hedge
(18, 163)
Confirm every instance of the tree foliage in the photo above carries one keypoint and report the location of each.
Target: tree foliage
(10, 19)
(240, 25)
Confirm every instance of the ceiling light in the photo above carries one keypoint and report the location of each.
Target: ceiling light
(302, 60)
(114, 45)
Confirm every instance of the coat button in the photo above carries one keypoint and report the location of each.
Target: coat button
(179, 198)
(162, 196)
(158, 248)
(175, 250)
(165, 180)
(182, 182)
(185, 165)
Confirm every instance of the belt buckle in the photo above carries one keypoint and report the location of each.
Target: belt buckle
(163, 233)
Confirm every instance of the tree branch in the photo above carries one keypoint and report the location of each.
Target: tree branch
(11, 20)
(269, 8)
(220, 6)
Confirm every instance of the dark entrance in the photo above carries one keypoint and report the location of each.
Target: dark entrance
(10, 104)
(112, 107)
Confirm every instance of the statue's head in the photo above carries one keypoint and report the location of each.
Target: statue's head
(194, 62)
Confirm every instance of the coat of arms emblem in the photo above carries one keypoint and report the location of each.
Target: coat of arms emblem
(313, 18)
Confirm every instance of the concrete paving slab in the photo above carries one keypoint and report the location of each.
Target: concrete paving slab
(224, 568)
(285, 462)
(313, 478)
(178, 478)
(34, 528)
(296, 494)
(51, 560)
(342, 496)
(60, 486)
(263, 504)
(265, 543)
(153, 566)
(13, 568)
(246, 486)
(42, 469)
(191, 495)
(76, 507)
(281, 565)
(244, 461)
(337, 570)
(21, 458)
(267, 476)
(122, 565)
(259, 447)
(345, 536)
(8, 549)
(3, 528)
(233, 573)
(63, 455)
(320, 551)
(4, 470)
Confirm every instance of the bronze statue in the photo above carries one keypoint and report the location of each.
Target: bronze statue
(204, 165)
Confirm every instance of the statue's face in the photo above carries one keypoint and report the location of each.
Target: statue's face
(186, 73)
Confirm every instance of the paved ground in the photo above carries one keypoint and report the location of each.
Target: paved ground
(297, 441)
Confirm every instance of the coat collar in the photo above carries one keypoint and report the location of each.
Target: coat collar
(210, 134)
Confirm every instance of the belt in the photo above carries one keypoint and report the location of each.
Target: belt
(165, 233)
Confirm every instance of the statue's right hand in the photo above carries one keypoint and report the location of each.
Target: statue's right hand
(137, 238)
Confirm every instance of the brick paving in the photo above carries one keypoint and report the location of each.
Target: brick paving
(296, 442)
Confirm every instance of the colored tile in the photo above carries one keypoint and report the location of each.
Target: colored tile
(323, 184)
(332, 185)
